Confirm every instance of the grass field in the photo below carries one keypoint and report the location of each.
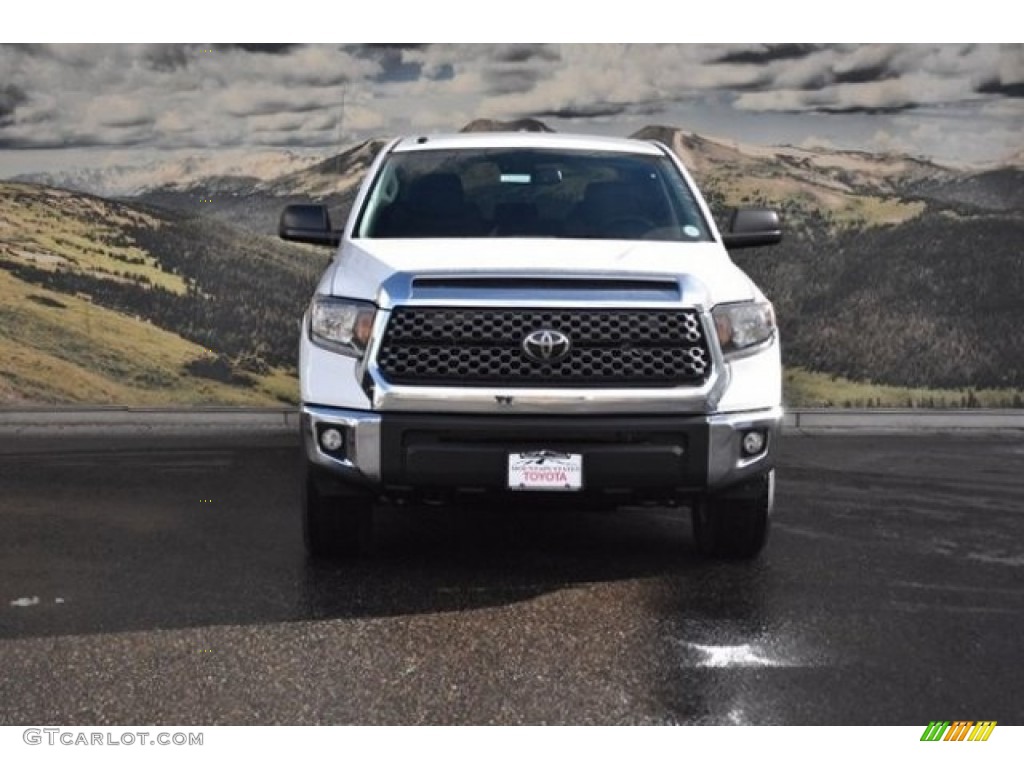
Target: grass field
(845, 207)
(56, 348)
(63, 347)
(51, 228)
(803, 388)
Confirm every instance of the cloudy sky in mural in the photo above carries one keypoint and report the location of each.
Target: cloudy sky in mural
(87, 104)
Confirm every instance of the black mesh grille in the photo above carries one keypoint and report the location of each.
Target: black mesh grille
(484, 347)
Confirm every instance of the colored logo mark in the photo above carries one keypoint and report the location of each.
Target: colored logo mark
(958, 730)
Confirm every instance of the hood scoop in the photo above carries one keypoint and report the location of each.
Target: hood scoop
(519, 288)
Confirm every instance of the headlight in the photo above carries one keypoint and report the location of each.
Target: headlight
(341, 325)
(741, 326)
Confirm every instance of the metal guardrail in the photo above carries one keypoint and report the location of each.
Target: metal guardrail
(42, 421)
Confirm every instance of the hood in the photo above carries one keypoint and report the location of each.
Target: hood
(364, 265)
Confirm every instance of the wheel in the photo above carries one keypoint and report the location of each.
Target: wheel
(336, 522)
(734, 524)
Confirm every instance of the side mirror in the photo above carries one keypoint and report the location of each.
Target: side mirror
(749, 227)
(307, 224)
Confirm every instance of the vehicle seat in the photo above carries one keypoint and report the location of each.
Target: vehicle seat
(433, 206)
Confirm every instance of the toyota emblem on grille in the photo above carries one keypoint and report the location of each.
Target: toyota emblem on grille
(546, 346)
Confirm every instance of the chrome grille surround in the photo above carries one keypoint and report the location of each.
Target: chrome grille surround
(482, 347)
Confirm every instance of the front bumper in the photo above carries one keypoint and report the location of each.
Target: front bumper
(406, 452)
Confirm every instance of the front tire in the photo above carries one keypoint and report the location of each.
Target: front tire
(336, 522)
(734, 524)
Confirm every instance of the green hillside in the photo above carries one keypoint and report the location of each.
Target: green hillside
(103, 302)
(803, 388)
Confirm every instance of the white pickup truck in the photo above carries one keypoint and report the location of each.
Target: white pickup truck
(537, 316)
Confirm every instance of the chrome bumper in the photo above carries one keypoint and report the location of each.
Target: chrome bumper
(361, 463)
(726, 466)
(361, 431)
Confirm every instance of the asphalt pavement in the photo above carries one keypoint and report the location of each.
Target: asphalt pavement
(162, 580)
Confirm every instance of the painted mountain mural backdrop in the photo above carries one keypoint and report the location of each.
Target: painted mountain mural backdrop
(900, 280)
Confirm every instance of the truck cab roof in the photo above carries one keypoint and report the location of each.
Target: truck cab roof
(524, 139)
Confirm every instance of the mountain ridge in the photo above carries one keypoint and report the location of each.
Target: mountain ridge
(127, 180)
(285, 174)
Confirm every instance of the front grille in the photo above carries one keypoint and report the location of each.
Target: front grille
(484, 347)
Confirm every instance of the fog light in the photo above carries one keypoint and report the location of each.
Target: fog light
(753, 443)
(331, 440)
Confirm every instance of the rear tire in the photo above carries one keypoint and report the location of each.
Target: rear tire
(734, 524)
(337, 522)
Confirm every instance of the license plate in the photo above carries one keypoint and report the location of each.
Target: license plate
(545, 471)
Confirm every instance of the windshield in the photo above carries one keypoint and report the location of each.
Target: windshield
(531, 193)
